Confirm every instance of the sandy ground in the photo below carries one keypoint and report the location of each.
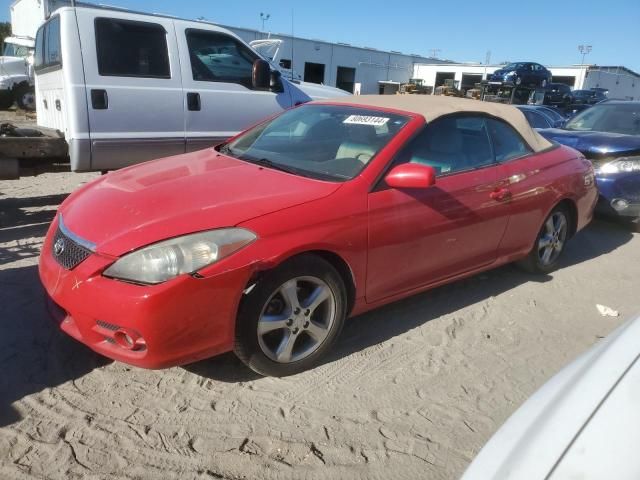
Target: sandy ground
(413, 391)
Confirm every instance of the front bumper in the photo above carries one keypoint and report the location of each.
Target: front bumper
(619, 195)
(174, 323)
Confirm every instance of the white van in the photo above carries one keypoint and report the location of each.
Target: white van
(126, 87)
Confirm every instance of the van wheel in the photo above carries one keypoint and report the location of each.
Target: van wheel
(291, 318)
(6, 100)
(26, 97)
(549, 244)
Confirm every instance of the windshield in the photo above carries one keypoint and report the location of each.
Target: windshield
(514, 66)
(612, 118)
(12, 50)
(320, 141)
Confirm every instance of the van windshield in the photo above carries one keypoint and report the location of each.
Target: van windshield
(328, 142)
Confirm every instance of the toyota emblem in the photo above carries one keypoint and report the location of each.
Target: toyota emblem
(58, 247)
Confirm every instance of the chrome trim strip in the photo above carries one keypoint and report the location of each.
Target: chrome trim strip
(80, 241)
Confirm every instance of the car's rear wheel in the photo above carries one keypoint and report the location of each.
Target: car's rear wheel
(292, 317)
(549, 244)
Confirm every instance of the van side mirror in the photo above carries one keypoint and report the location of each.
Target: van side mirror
(411, 175)
(261, 75)
(276, 82)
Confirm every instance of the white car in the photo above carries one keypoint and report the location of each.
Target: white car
(584, 423)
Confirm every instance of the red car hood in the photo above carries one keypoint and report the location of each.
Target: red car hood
(134, 207)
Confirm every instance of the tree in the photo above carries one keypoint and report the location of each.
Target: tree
(5, 30)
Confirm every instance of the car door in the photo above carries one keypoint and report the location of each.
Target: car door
(219, 97)
(418, 237)
(133, 87)
(522, 179)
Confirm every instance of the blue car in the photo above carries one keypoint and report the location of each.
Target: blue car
(609, 135)
(522, 73)
(540, 116)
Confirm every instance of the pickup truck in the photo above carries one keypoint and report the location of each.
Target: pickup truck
(122, 87)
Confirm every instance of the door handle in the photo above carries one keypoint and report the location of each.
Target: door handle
(500, 194)
(193, 102)
(99, 99)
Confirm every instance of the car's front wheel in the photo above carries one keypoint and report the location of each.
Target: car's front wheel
(292, 317)
(549, 244)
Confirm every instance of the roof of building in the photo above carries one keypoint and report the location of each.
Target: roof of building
(432, 107)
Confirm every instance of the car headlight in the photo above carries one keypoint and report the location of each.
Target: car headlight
(621, 165)
(165, 260)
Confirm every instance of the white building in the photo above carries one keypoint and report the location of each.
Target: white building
(621, 82)
(340, 64)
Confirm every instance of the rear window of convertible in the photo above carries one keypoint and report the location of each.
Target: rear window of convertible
(329, 142)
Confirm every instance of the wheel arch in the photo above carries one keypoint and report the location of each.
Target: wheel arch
(335, 260)
(571, 207)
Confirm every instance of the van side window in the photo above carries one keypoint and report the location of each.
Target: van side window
(216, 57)
(48, 54)
(131, 49)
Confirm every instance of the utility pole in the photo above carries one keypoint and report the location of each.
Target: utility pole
(487, 61)
(435, 52)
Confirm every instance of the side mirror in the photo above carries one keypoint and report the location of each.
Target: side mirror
(276, 82)
(411, 175)
(261, 75)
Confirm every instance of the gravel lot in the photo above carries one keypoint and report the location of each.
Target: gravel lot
(413, 391)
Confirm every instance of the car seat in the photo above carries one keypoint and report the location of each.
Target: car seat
(440, 148)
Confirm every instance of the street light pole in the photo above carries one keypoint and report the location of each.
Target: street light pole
(584, 50)
(264, 17)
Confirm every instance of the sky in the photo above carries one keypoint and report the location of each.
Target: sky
(545, 31)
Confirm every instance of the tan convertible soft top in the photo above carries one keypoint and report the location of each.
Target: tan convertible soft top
(435, 106)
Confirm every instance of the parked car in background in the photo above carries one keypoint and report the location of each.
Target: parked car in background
(522, 73)
(583, 423)
(572, 110)
(541, 117)
(266, 243)
(554, 113)
(557, 94)
(588, 97)
(609, 135)
(124, 91)
(535, 117)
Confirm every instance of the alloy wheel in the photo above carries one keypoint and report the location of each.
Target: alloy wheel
(552, 238)
(296, 319)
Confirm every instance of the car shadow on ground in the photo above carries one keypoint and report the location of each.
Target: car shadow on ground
(399, 317)
(15, 212)
(23, 222)
(34, 354)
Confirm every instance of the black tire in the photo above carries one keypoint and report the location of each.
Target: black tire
(6, 100)
(249, 344)
(25, 96)
(534, 262)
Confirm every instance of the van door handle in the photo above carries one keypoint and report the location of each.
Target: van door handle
(99, 99)
(193, 102)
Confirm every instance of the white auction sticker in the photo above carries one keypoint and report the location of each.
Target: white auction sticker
(366, 120)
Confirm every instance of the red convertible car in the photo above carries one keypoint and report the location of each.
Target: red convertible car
(265, 244)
